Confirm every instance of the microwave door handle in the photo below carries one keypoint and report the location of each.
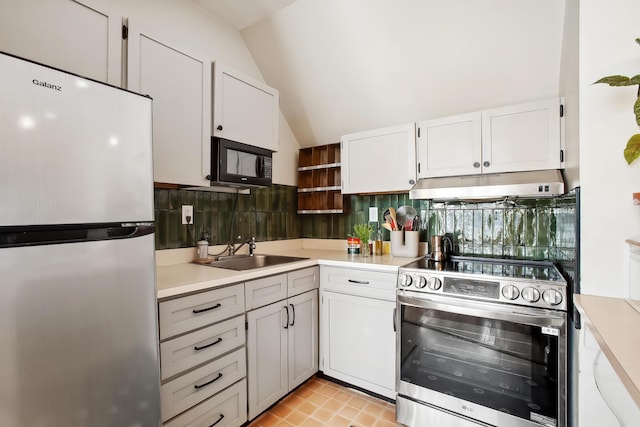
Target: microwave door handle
(486, 310)
(260, 166)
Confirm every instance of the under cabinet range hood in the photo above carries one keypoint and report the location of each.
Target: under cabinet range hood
(543, 183)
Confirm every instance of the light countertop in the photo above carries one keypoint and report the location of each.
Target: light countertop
(615, 323)
(183, 278)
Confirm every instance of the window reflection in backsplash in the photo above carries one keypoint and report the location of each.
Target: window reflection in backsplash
(520, 228)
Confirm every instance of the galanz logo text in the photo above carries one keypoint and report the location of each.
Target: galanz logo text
(47, 85)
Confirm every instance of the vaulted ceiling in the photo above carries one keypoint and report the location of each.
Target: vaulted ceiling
(349, 65)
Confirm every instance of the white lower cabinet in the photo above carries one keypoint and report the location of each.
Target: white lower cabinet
(282, 344)
(215, 364)
(358, 339)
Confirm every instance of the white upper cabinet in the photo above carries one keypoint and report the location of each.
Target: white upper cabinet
(522, 137)
(64, 34)
(450, 145)
(515, 138)
(179, 83)
(380, 160)
(245, 109)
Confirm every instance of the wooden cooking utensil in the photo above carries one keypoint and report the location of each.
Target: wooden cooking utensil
(392, 214)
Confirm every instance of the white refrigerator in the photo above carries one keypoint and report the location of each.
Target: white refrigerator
(78, 323)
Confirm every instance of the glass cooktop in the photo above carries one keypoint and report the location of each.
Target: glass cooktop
(532, 270)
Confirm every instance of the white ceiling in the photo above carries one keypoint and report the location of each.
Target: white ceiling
(242, 13)
(350, 65)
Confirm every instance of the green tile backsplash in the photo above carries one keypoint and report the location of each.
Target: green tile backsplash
(520, 228)
(542, 229)
(267, 213)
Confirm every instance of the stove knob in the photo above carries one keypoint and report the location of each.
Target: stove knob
(434, 283)
(421, 283)
(530, 294)
(510, 292)
(552, 297)
(405, 280)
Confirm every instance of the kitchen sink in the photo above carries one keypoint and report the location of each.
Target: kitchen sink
(248, 262)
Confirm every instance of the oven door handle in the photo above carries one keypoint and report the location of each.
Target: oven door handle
(486, 310)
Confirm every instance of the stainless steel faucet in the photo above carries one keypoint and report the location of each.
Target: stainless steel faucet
(251, 242)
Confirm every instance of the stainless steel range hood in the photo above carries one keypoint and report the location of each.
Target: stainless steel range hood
(544, 183)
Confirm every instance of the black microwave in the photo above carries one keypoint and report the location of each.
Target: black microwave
(237, 164)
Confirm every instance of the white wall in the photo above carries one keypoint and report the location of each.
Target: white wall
(608, 216)
(570, 90)
(23, 31)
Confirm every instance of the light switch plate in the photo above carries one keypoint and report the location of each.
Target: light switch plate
(373, 214)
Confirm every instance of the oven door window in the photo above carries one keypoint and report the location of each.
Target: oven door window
(506, 366)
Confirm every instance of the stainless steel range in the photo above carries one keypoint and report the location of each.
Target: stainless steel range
(481, 342)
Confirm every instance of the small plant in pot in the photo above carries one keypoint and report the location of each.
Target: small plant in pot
(362, 232)
(632, 149)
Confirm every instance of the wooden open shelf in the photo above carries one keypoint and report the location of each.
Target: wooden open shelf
(319, 182)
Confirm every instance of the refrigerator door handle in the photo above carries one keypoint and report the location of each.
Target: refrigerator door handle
(37, 235)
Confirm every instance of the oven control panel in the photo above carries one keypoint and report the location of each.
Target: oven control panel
(541, 294)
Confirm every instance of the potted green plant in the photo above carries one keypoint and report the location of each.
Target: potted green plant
(362, 232)
(632, 149)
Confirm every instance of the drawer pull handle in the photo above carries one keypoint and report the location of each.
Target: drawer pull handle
(360, 282)
(218, 341)
(219, 419)
(202, 310)
(199, 386)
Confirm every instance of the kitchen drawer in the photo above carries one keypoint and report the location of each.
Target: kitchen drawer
(195, 311)
(226, 409)
(187, 351)
(193, 387)
(264, 291)
(304, 280)
(371, 283)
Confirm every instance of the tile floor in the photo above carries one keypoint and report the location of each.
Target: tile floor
(322, 403)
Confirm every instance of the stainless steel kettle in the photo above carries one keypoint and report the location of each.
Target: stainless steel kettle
(439, 251)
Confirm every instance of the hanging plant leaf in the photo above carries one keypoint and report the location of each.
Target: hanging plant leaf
(615, 81)
(632, 150)
(635, 80)
(636, 110)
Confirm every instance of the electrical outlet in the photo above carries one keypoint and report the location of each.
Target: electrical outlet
(373, 214)
(187, 214)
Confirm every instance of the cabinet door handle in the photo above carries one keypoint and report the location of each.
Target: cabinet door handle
(202, 310)
(293, 315)
(218, 420)
(199, 386)
(286, 324)
(359, 282)
(218, 341)
(486, 164)
(394, 320)
(476, 164)
(219, 127)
